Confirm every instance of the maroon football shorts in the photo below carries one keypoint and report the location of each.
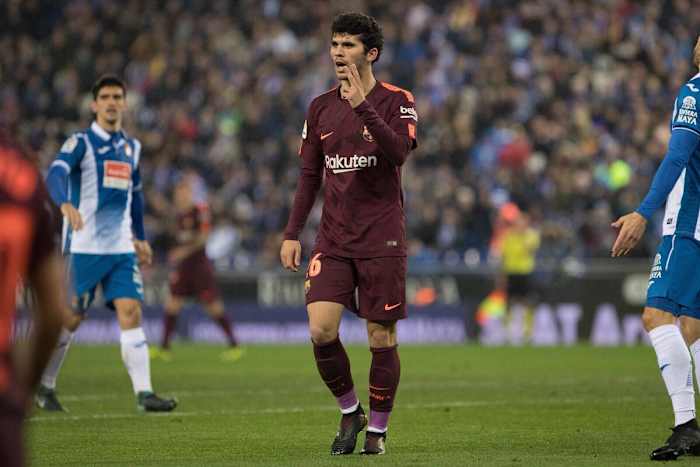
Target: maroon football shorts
(373, 288)
(194, 278)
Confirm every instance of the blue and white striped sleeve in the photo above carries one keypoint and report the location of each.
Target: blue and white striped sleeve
(68, 159)
(684, 142)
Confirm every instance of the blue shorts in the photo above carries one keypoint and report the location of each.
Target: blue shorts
(674, 282)
(119, 276)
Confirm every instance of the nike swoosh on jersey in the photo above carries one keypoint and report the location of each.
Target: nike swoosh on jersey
(326, 135)
(388, 307)
(103, 150)
(340, 171)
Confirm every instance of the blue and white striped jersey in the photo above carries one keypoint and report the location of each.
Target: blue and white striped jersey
(683, 203)
(103, 173)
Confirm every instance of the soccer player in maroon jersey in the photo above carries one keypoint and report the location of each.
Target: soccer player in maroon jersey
(27, 251)
(193, 274)
(359, 135)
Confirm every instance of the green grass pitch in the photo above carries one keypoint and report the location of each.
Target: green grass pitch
(457, 405)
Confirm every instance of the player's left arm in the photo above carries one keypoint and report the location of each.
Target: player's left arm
(397, 137)
(141, 245)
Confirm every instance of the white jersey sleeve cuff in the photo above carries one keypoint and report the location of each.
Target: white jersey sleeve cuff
(63, 164)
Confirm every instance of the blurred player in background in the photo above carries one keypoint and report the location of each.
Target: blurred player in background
(359, 134)
(674, 283)
(192, 276)
(95, 180)
(28, 253)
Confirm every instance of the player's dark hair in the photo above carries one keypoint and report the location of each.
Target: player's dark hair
(107, 80)
(358, 24)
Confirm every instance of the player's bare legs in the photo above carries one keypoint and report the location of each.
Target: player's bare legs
(46, 394)
(384, 375)
(135, 355)
(676, 370)
(334, 367)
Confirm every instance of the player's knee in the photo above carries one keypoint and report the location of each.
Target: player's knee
(653, 318)
(690, 329)
(129, 314)
(381, 335)
(215, 309)
(322, 334)
(72, 321)
(172, 309)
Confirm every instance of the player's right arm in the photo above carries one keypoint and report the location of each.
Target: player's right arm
(685, 138)
(310, 177)
(67, 160)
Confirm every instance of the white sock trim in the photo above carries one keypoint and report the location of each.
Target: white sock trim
(350, 409)
(374, 429)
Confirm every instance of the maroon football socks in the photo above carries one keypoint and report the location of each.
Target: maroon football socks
(225, 326)
(334, 366)
(169, 322)
(384, 377)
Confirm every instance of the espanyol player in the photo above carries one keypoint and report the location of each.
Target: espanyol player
(96, 182)
(674, 283)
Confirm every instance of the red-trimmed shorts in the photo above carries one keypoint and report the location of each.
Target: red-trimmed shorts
(372, 288)
(194, 278)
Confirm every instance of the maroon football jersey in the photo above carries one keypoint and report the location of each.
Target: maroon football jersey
(360, 151)
(190, 224)
(26, 236)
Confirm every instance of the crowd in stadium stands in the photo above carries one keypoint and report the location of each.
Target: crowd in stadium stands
(561, 108)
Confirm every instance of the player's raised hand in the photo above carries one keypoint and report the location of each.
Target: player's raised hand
(632, 227)
(354, 93)
(290, 254)
(73, 216)
(143, 251)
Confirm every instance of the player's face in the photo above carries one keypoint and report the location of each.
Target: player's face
(183, 195)
(109, 106)
(696, 53)
(347, 49)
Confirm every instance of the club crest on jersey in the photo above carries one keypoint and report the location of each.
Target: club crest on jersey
(128, 151)
(70, 144)
(366, 135)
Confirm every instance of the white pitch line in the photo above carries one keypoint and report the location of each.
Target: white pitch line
(315, 389)
(273, 411)
(326, 408)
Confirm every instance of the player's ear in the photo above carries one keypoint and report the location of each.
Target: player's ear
(372, 55)
(93, 106)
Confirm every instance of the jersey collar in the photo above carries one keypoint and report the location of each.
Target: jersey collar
(99, 131)
(104, 134)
